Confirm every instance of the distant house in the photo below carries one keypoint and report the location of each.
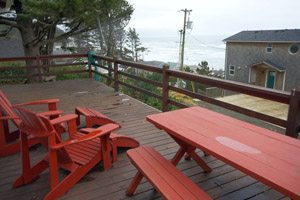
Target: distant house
(267, 58)
(11, 45)
(11, 48)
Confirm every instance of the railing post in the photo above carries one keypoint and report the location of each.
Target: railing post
(38, 64)
(91, 61)
(165, 88)
(90, 70)
(293, 119)
(116, 75)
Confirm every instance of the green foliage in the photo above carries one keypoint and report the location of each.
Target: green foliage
(69, 76)
(133, 47)
(114, 17)
(64, 12)
(189, 84)
(203, 68)
(154, 102)
(37, 21)
(5, 74)
(40, 18)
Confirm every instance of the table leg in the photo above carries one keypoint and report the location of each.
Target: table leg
(180, 153)
(191, 152)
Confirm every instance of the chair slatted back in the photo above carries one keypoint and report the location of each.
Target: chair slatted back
(41, 127)
(32, 124)
(6, 108)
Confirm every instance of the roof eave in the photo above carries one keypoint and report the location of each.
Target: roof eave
(253, 41)
(270, 65)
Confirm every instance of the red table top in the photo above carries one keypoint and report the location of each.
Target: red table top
(265, 155)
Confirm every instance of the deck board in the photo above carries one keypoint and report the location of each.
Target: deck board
(224, 182)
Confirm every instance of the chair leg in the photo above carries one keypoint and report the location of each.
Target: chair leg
(105, 150)
(72, 178)
(34, 174)
(118, 140)
(9, 149)
(114, 153)
(2, 133)
(78, 118)
(133, 185)
(13, 148)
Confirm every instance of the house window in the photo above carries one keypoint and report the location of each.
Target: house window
(269, 48)
(294, 48)
(231, 70)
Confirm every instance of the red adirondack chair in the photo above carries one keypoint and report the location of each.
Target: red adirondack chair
(77, 155)
(9, 143)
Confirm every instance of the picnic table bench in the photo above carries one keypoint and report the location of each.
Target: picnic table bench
(163, 175)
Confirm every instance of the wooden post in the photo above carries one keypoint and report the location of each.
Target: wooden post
(116, 75)
(293, 119)
(38, 64)
(165, 88)
(90, 70)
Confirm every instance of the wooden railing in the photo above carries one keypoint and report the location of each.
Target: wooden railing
(41, 63)
(290, 98)
(113, 66)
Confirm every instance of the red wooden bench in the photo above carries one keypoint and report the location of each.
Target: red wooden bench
(94, 117)
(163, 175)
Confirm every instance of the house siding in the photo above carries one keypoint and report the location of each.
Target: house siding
(243, 55)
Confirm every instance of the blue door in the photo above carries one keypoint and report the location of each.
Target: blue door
(271, 79)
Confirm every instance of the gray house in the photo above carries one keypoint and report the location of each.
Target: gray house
(267, 58)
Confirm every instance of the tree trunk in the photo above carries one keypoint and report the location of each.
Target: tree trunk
(30, 49)
(49, 47)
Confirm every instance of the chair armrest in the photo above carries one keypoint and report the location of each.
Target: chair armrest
(99, 132)
(64, 118)
(44, 101)
(51, 113)
(9, 117)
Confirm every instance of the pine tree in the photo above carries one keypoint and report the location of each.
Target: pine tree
(37, 21)
(133, 48)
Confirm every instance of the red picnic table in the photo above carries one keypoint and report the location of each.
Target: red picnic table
(269, 157)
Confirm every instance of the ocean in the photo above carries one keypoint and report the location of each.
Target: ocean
(198, 48)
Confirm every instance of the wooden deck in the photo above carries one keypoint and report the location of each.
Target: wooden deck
(224, 182)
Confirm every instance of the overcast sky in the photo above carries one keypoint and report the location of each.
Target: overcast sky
(214, 17)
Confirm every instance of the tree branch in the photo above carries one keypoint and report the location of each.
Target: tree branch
(9, 23)
(5, 32)
(68, 34)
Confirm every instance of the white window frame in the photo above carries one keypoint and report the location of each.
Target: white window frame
(231, 70)
(269, 48)
(296, 51)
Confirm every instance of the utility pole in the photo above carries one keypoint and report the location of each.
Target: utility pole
(186, 11)
(180, 41)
